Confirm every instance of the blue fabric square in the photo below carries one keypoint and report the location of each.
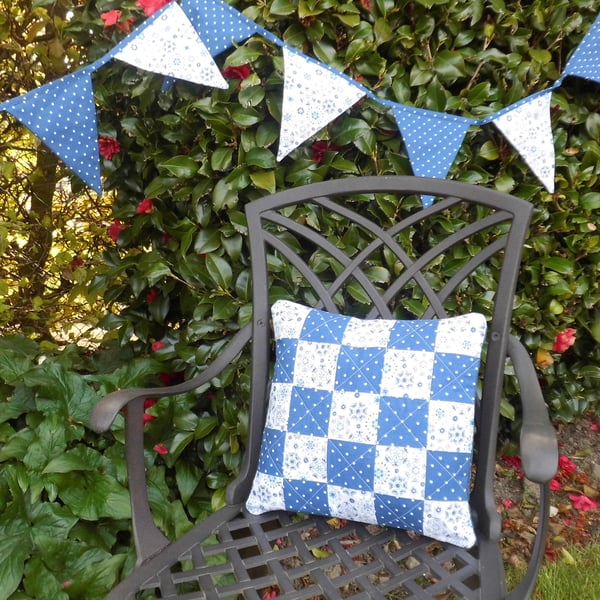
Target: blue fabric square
(414, 335)
(403, 513)
(306, 496)
(372, 420)
(403, 422)
(285, 365)
(448, 476)
(350, 465)
(452, 377)
(324, 327)
(309, 411)
(271, 461)
(359, 369)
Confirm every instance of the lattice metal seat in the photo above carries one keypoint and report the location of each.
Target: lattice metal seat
(339, 238)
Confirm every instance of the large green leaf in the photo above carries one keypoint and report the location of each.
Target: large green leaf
(15, 548)
(183, 167)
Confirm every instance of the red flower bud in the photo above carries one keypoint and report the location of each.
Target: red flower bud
(161, 449)
(564, 340)
(239, 72)
(108, 147)
(151, 6)
(145, 207)
(115, 228)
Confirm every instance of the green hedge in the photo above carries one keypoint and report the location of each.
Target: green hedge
(178, 272)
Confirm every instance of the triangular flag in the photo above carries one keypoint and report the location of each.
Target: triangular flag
(585, 61)
(218, 24)
(432, 140)
(63, 115)
(313, 96)
(527, 126)
(169, 45)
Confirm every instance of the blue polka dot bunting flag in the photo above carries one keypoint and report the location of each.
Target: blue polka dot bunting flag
(585, 60)
(313, 96)
(527, 126)
(169, 45)
(63, 114)
(372, 420)
(432, 140)
(218, 24)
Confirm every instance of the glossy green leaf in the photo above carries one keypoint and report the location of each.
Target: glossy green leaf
(220, 271)
(180, 166)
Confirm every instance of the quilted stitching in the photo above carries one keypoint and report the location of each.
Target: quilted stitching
(372, 420)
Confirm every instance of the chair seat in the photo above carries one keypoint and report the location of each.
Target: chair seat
(296, 557)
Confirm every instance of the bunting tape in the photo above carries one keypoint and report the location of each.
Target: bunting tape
(181, 42)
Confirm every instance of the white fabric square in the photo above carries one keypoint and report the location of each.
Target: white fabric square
(355, 504)
(368, 334)
(458, 336)
(450, 426)
(279, 406)
(354, 417)
(316, 365)
(407, 373)
(400, 472)
(305, 457)
(448, 519)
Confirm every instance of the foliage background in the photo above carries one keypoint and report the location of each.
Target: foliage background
(174, 282)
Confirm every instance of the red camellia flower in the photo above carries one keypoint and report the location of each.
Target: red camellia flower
(157, 345)
(111, 17)
(115, 229)
(108, 147)
(151, 6)
(145, 207)
(76, 262)
(555, 485)
(148, 403)
(566, 465)
(320, 147)
(564, 340)
(581, 502)
(238, 72)
(161, 449)
(152, 295)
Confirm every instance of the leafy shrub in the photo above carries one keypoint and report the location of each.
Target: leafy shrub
(65, 518)
(192, 157)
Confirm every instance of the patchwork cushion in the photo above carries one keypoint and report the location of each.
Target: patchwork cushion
(372, 420)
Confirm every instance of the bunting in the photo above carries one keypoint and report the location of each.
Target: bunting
(182, 41)
(170, 46)
(63, 114)
(218, 24)
(527, 126)
(432, 140)
(306, 108)
(585, 60)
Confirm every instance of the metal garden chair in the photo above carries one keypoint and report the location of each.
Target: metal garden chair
(363, 246)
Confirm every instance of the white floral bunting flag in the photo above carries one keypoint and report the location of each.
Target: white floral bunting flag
(313, 96)
(527, 126)
(169, 45)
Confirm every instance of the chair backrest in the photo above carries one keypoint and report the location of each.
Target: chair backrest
(365, 247)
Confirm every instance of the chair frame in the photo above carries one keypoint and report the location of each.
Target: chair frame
(247, 541)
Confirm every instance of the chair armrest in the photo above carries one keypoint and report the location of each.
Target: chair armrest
(539, 446)
(107, 408)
